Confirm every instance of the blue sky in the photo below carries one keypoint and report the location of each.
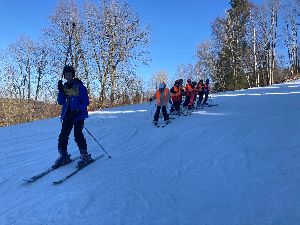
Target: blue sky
(178, 26)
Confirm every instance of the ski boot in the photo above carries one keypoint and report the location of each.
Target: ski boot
(85, 159)
(63, 159)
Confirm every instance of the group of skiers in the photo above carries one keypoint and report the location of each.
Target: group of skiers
(73, 97)
(174, 96)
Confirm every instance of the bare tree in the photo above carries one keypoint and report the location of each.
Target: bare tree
(254, 80)
(40, 66)
(3, 79)
(273, 39)
(188, 71)
(290, 11)
(267, 40)
(66, 36)
(21, 54)
(159, 77)
(117, 37)
(206, 65)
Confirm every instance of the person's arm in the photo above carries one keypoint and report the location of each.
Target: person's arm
(172, 90)
(169, 98)
(83, 97)
(61, 97)
(152, 98)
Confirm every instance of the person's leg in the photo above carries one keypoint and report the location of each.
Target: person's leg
(191, 102)
(156, 115)
(79, 137)
(166, 115)
(205, 98)
(177, 106)
(184, 104)
(200, 98)
(63, 138)
(172, 109)
(81, 143)
(186, 101)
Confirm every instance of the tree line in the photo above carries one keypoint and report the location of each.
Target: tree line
(104, 42)
(250, 46)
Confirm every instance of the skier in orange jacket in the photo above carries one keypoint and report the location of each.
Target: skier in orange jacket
(162, 97)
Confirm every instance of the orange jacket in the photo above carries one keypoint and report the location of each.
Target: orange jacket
(162, 100)
(177, 95)
(188, 90)
(177, 91)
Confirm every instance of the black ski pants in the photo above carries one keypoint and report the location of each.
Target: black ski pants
(164, 110)
(200, 93)
(176, 105)
(186, 101)
(206, 93)
(66, 129)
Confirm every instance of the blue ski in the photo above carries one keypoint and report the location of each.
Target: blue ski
(46, 171)
(76, 171)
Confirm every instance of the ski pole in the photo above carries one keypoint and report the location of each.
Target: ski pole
(109, 156)
(151, 113)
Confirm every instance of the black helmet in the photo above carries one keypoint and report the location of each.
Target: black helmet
(69, 69)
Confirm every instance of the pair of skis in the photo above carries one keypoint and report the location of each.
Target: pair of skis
(186, 113)
(209, 105)
(203, 106)
(163, 125)
(52, 168)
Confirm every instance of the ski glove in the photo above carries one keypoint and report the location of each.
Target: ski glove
(60, 85)
(75, 113)
(150, 99)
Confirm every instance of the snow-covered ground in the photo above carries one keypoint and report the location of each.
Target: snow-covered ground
(234, 164)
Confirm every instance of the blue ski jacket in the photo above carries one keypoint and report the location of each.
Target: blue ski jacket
(74, 100)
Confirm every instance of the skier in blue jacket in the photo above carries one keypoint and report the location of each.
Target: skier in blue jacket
(74, 99)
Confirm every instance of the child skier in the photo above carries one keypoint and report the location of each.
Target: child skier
(188, 93)
(162, 97)
(176, 97)
(200, 89)
(206, 91)
(74, 100)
